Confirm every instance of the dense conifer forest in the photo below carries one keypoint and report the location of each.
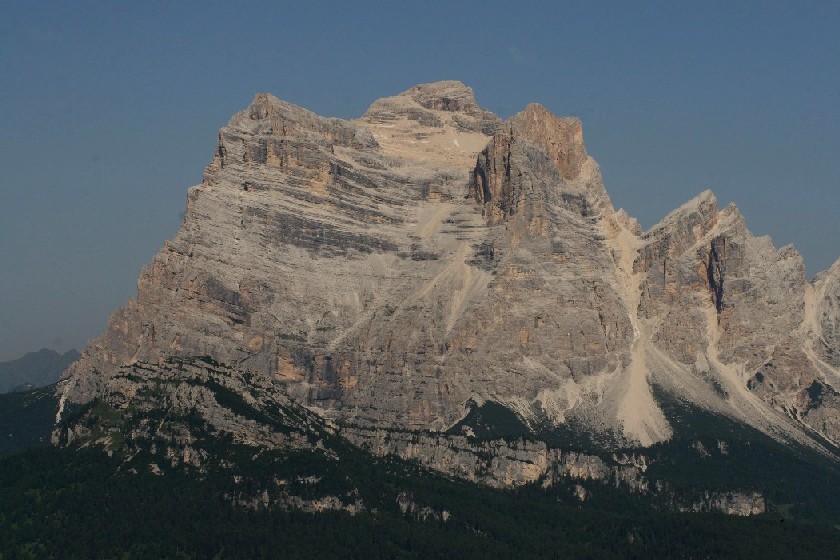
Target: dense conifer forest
(86, 503)
(80, 504)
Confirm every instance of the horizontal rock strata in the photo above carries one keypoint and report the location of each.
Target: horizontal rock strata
(388, 270)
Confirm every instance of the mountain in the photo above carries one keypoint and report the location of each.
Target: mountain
(432, 287)
(393, 269)
(34, 369)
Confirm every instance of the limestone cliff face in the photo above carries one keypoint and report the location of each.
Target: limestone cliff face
(801, 375)
(391, 269)
(827, 315)
(174, 415)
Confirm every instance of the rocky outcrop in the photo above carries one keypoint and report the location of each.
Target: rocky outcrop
(196, 395)
(388, 270)
(436, 105)
(730, 503)
(220, 424)
(515, 463)
(733, 310)
(560, 138)
(827, 315)
(408, 507)
(501, 463)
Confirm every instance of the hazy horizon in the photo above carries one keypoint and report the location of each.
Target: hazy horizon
(112, 111)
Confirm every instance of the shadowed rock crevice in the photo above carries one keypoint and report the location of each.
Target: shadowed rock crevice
(714, 272)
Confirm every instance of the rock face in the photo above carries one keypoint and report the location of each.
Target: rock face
(198, 416)
(175, 414)
(391, 269)
(249, 410)
(500, 463)
(729, 503)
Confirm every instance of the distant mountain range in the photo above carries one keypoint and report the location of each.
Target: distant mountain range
(34, 369)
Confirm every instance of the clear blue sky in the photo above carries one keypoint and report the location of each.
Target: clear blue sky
(109, 111)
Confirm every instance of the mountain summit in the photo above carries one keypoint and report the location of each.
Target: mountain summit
(405, 269)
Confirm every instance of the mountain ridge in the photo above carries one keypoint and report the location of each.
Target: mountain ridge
(35, 369)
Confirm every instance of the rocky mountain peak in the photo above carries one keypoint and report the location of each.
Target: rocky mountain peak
(267, 110)
(438, 122)
(447, 95)
(264, 106)
(832, 271)
(561, 138)
(703, 208)
(537, 161)
(447, 104)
